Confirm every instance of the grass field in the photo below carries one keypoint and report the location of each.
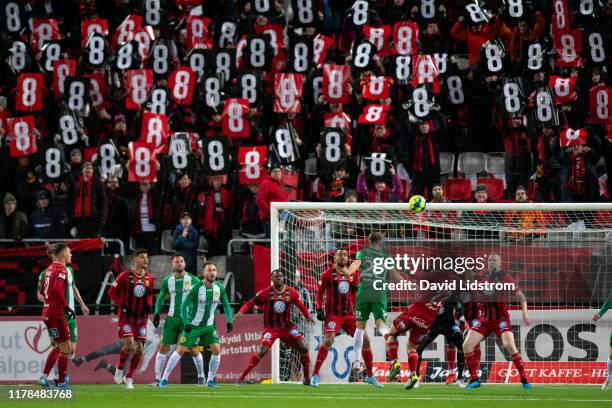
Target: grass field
(298, 396)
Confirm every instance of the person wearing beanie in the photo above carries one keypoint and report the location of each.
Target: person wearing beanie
(13, 223)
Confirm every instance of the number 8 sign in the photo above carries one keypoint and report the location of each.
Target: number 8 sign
(23, 142)
(252, 160)
(142, 164)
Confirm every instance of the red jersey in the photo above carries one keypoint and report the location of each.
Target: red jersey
(277, 306)
(339, 290)
(428, 311)
(497, 310)
(135, 293)
(53, 289)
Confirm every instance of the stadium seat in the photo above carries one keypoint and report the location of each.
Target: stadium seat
(470, 163)
(458, 189)
(495, 187)
(310, 165)
(159, 266)
(202, 245)
(166, 242)
(495, 164)
(447, 163)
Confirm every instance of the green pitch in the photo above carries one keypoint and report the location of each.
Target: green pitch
(336, 396)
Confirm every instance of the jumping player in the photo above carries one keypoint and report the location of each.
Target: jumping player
(55, 313)
(370, 300)
(339, 289)
(198, 311)
(604, 308)
(494, 318)
(277, 301)
(446, 325)
(177, 285)
(132, 292)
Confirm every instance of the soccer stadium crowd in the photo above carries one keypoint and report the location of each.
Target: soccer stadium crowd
(125, 118)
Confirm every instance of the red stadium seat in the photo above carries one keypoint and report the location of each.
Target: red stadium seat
(458, 189)
(495, 187)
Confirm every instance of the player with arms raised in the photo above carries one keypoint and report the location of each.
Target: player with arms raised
(604, 308)
(198, 311)
(494, 318)
(132, 292)
(177, 285)
(55, 313)
(277, 301)
(370, 300)
(339, 289)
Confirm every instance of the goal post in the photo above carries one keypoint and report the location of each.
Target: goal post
(560, 255)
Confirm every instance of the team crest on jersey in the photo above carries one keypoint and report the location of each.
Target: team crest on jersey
(294, 332)
(279, 306)
(503, 325)
(344, 287)
(127, 328)
(475, 323)
(402, 325)
(142, 332)
(331, 325)
(267, 336)
(139, 291)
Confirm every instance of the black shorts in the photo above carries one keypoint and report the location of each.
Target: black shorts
(446, 327)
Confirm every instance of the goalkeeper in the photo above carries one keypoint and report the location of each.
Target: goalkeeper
(607, 305)
(370, 300)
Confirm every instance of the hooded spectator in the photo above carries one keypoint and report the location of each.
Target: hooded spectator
(45, 221)
(381, 193)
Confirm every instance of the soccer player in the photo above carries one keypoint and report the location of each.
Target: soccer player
(277, 301)
(132, 292)
(446, 325)
(198, 312)
(604, 308)
(370, 300)
(494, 318)
(72, 292)
(339, 289)
(177, 285)
(55, 313)
(417, 318)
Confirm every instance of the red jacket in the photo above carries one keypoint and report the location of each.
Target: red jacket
(270, 190)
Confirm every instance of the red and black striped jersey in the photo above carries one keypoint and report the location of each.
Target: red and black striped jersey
(497, 310)
(339, 291)
(277, 306)
(135, 293)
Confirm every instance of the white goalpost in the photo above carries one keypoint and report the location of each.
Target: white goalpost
(560, 255)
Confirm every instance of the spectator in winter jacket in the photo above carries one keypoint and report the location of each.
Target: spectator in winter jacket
(185, 241)
(45, 220)
(477, 34)
(185, 197)
(89, 206)
(425, 158)
(13, 223)
(530, 223)
(381, 193)
(217, 219)
(143, 218)
(517, 148)
(270, 190)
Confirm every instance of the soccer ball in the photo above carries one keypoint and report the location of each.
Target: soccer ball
(417, 203)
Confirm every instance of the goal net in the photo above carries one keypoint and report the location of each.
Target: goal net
(560, 256)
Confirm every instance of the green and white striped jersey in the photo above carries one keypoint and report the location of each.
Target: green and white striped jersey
(200, 306)
(177, 288)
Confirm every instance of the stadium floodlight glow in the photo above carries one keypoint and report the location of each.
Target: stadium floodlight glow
(560, 254)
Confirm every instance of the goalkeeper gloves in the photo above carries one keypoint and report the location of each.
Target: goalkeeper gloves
(68, 312)
(320, 315)
(230, 327)
(187, 328)
(156, 320)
